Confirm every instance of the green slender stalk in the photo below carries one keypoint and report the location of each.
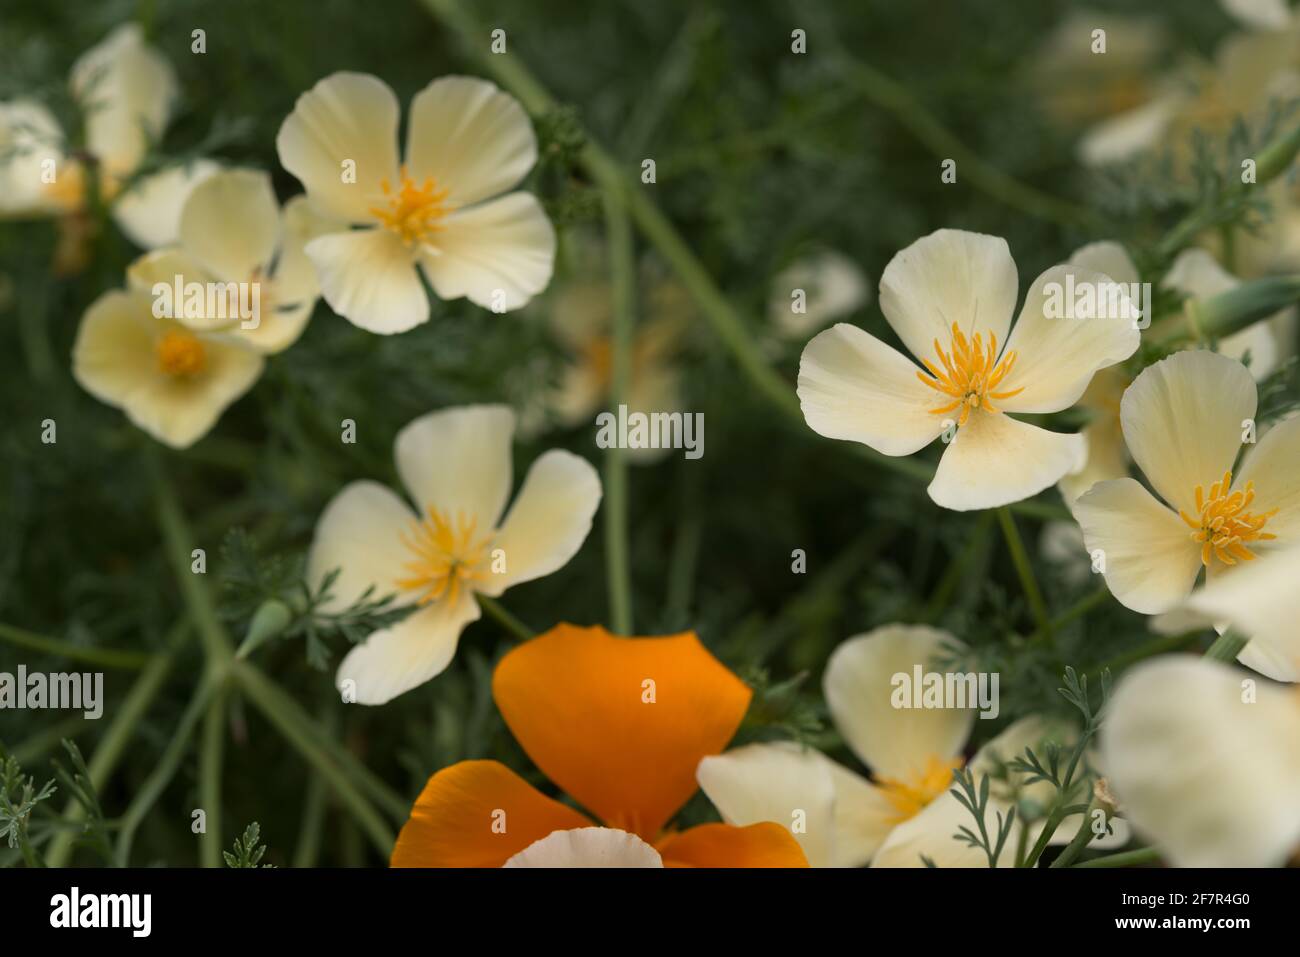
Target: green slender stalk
(1026, 574)
(113, 744)
(1144, 855)
(1080, 608)
(104, 657)
(623, 285)
(956, 570)
(1080, 840)
(165, 770)
(211, 753)
(47, 739)
(1226, 647)
(1157, 646)
(307, 850)
(505, 619)
(265, 696)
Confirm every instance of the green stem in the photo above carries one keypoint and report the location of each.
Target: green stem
(1226, 647)
(506, 620)
(1080, 840)
(1157, 646)
(1080, 608)
(211, 753)
(307, 850)
(1045, 836)
(622, 282)
(1143, 855)
(105, 657)
(1026, 574)
(956, 570)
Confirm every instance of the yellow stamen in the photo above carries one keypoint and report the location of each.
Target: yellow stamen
(413, 211)
(971, 372)
(181, 354)
(1222, 525)
(910, 796)
(447, 557)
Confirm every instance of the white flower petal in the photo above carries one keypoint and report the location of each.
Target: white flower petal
(892, 742)
(549, 520)
(1213, 780)
(346, 118)
(587, 847)
(950, 276)
(853, 386)
(149, 213)
(1056, 356)
(1273, 464)
(929, 834)
(1260, 14)
(29, 138)
(1151, 560)
(1124, 136)
(395, 660)
(1260, 600)
(369, 278)
(833, 286)
(498, 254)
(1108, 258)
(458, 461)
(231, 224)
(1182, 421)
(995, 460)
(360, 534)
(473, 139)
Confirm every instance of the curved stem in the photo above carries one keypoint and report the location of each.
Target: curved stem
(1143, 855)
(506, 620)
(211, 752)
(1026, 574)
(1226, 647)
(104, 657)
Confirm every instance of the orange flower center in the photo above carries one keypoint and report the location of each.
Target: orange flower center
(910, 795)
(181, 354)
(447, 557)
(1223, 526)
(970, 375)
(413, 211)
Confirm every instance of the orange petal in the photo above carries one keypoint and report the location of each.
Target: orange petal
(720, 845)
(579, 701)
(478, 814)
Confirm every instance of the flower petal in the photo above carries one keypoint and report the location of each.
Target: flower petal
(1212, 778)
(498, 254)
(950, 276)
(458, 460)
(549, 520)
(853, 386)
(995, 460)
(403, 656)
(929, 834)
(1150, 559)
(1273, 464)
(473, 139)
(588, 847)
(231, 224)
(478, 814)
(29, 136)
(346, 117)
(1107, 257)
(369, 278)
(125, 89)
(859, 685)
(1182, 421)
(1260, 600)
(360, 534)
(721, 845)
(1057, 354)
(149, 213)
(619, 723)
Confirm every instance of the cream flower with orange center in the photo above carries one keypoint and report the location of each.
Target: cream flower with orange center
(125, 89)
(1186, 419)
(949, 297)
(454, 545)
(905, 810)
(170, 380)
(440, 213)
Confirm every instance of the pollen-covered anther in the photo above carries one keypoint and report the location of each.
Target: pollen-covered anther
(413, 212)
(1222, 525)
(970, 375)
(447, 557)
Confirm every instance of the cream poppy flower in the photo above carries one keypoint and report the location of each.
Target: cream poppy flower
(949, 297)
(234, 232)
(588, 847)
(842, 819)
(440, 213)
(125, 88)
(833, 286)
(1184, 420)
(1207, 767)
(456, 466)
(171, 380)
(1262, 603)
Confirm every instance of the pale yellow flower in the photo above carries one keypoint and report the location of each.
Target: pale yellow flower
(1260, 602)
(441, 212)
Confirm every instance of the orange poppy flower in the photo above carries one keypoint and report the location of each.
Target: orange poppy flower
(621, 725)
